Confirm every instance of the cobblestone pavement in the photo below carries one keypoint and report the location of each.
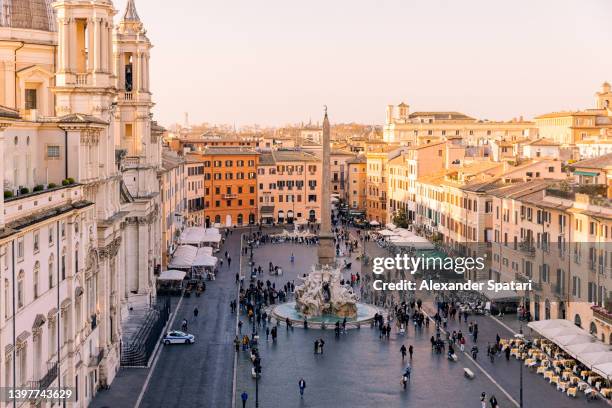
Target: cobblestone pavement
(358, 369)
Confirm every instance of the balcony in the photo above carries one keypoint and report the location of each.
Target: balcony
(81, 79)
(47, 379)
(96, 357)
(527, 248)
(130, 162)
(127, 96)
(229, 196)
(602, 314)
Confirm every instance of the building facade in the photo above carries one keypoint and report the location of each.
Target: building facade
(289, 187)
(411, 129)
(81, 225)
(356, 183)
(222, 186)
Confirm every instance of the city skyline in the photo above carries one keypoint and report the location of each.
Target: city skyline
(489, 61)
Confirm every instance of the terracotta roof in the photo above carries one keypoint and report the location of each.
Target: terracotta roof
(81, 118)
(361, 159)
(212, 150)
(595, 163)
(564, 114)
(266, 159)
(293, 155)
(543, 142)
(443, 115)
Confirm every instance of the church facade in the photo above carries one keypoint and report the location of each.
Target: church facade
(80, 216)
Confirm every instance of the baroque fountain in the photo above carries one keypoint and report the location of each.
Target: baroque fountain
(322, 297)
(322, 294)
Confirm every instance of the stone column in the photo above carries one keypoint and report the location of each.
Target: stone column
(72, 49)
(326, 250)
(143, 257)
(97, 44)
(93, 47)
(2, 127)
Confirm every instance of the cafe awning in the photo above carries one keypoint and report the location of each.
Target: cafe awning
(578, 343)
(171, 275)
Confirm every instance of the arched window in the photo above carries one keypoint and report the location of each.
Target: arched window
(217, 219)
(20, 292)
(547, 309)
(593, 329)
(578, 320)
(51, 270)
(6, 298)
(63, 264)
(76, 259)
(36, 279)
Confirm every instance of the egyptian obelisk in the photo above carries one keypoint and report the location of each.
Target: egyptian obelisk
(327, 254)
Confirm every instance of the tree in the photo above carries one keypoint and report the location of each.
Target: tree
(400, 218)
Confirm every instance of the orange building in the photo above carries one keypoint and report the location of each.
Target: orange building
(223, 190)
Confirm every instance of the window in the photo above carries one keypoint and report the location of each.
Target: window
(51, 268)
(53, 152)
(63, 264)
(51, 230)
(20, 294)
(36, 241)
(20, 249)
(30, 99)
(36, 278)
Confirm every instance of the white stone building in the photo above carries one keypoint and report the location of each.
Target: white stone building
(80, 221)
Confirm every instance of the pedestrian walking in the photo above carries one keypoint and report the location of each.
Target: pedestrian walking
(229, 262)
(244, 396)
(195, 312)
(493, 401)
(321, 344)
(316, 346)
(483, 400)
(302, 386)
(410, 351)
(403, 351)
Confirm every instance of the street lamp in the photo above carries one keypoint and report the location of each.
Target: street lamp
(521, 373)
(257, 363)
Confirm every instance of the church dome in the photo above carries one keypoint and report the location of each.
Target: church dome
(27, 14)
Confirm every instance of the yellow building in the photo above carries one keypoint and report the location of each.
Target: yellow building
(356, 184)
(410, 129)
(571, 127)
(377, 156)
(559, 238)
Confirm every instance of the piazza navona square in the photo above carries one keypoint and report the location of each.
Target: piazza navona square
(318, 204)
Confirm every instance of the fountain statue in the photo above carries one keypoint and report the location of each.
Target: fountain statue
(323, 294)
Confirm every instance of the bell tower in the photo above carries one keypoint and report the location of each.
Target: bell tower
(132, 53)
(84, 75)
(604, 97)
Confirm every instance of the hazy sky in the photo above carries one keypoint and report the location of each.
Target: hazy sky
(278, 61)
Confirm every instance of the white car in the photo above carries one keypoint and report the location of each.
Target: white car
(175, 336)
